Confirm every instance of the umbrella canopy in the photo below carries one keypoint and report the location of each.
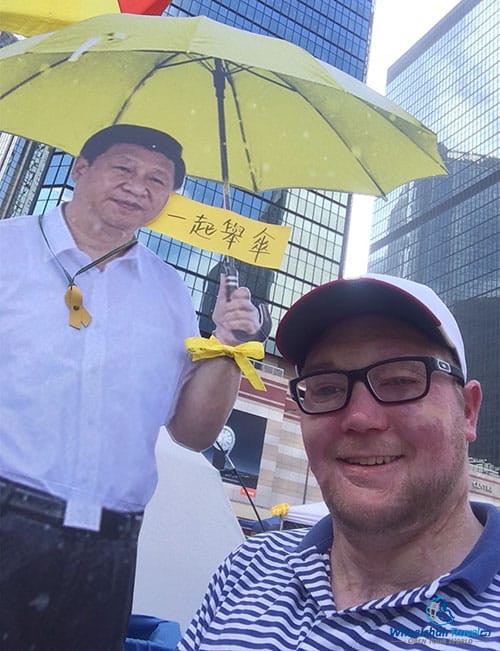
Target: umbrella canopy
(30, 17)
(251, 110)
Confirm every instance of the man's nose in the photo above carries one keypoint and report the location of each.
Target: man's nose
(136, 184)
(363, 412)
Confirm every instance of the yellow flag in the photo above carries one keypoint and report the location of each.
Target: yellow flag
(222, 231)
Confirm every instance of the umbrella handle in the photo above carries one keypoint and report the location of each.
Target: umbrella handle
(265, 322)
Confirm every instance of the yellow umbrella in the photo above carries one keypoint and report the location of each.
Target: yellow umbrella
(250, 110)
(30, 17)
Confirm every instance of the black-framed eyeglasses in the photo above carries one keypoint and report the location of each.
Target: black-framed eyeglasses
(400, 379)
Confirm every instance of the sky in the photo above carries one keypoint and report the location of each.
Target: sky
(397, 25)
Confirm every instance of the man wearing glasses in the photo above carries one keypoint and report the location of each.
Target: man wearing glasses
(404, 560)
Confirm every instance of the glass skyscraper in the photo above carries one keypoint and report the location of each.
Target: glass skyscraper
(445, 231)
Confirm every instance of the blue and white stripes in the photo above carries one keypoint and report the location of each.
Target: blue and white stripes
(274, 594)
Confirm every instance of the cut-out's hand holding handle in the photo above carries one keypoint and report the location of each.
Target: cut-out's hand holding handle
(263, 322)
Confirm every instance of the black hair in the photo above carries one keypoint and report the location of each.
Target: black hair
(151, 139)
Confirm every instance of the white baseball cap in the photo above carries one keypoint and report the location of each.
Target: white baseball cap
(390, 296)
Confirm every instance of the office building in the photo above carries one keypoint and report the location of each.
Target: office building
(445, 231)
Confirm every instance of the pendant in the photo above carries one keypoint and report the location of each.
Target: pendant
(78, 315)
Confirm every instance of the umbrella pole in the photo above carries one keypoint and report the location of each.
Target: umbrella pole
(230, 271)
(220, 85)
(228, 264)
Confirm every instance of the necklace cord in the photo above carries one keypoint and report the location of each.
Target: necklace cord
(73, 298)
(94, 263)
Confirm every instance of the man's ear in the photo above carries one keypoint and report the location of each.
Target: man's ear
(472, 402)
(80, 166)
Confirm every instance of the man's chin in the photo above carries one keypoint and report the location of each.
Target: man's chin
(368, 519)
(379, 511)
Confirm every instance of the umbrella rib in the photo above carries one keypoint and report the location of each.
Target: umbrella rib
(339, 134)
(31, 77)
(169, 62)
(286, 84)
(142, 81)
(280, 81)
(242, 128)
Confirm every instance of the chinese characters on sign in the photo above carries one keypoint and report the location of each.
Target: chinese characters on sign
(222, 231)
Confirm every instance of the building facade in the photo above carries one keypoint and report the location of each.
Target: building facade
(337, 32)
(445, 231)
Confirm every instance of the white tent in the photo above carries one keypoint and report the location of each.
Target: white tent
(189, 527)
(306, 514)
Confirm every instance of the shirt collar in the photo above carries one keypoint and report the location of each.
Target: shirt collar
(60, 238)
(477, 569)
(57, 232)
(483, 561)
(320, 536)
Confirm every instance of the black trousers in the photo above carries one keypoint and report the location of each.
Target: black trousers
(63, 589)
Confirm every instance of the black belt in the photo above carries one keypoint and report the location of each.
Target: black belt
(50, 509)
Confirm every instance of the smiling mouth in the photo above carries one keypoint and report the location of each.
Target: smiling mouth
(129, 205)
(370, 461)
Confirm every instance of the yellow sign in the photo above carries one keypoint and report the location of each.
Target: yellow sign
(222, 231)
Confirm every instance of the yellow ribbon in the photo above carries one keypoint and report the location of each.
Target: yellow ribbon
(202, 348)
(77, 313)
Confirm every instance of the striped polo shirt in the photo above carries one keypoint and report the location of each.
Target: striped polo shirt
(274, 594)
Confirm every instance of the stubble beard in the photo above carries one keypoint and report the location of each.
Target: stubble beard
(414, 503)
